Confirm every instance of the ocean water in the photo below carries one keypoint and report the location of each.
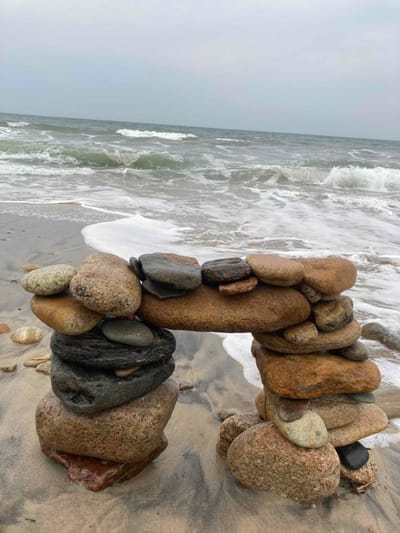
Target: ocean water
(212, 193)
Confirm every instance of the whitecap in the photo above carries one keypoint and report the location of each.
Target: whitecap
(17, 124)
(143, 134)
(369, 179)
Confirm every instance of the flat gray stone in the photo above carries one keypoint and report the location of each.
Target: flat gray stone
(137, 269)
(92, 349)
(175, 271)
(89, 391)
(48, 280)
(225, 270)
(162, 291)
(125, 331)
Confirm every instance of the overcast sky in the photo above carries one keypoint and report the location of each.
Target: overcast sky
(308, 66)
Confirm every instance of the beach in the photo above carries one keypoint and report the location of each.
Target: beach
(188, 487)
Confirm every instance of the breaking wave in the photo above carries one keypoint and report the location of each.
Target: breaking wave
(167, 135)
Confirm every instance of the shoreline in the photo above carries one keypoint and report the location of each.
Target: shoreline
(187, 488)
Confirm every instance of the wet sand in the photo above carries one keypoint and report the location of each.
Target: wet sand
(187, 489)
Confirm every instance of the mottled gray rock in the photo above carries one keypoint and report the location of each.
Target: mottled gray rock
(89, 391)
(334, 314)
(93, 349)
(48, 280)
(175, 271)
(225, 270)
(377, 332)
(130, 332)
(356, 352)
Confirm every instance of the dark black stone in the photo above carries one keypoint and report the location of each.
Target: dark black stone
(93, 349)
(354, 456)
(137, 269)
(225, 271)
(88, 391)
(174, 271)
(162, 291)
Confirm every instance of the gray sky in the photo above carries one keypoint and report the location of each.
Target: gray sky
(307, 66)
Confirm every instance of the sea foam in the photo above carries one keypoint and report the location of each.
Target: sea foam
(168, 135)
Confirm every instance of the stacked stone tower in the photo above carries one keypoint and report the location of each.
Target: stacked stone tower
(111, 357)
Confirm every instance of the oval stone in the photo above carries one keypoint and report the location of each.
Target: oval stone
(261, 458)
(124, 434)
(27, 335)
(89, 391)
(49, 280)
(130, 332)
(224, 270)
(92, 349)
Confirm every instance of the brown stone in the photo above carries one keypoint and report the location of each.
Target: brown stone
(125, 372)
(289, 410)
(64, 314)
(313, 375)
(276, 270)
(37, 360)
(123, 434)
(333, 315)
(329, 276)
(4, 328)
(8, 367)
(362, 478)
(261, 458)
(232, 426)
(336, 410)
(238, 287)
(44, 368)
(301, 334)
(98, 474)
(371, 419)
(106, 284)
(325, 341)
(205, 309)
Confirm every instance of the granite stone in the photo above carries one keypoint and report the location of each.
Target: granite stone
(48, 280)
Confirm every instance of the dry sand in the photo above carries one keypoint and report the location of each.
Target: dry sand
(187, 489)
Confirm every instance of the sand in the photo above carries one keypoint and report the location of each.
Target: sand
(187, 489)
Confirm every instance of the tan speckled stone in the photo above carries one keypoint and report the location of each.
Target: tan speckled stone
(362, 477)
(106, 284)
(232, 426)
(261, 458)
(123, 434)
(371, 420)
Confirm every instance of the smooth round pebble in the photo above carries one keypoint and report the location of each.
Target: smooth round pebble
(28, 335)
(129, 332)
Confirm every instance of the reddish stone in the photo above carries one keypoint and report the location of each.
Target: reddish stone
(98, 474)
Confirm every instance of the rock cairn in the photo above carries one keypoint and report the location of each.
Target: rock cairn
(112, 357)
